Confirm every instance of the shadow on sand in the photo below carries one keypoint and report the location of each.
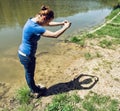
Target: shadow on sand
(83, 81)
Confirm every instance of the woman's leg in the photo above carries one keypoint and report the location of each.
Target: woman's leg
(29, 66)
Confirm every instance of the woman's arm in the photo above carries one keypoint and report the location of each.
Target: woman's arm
(56, 34)
(57, 23)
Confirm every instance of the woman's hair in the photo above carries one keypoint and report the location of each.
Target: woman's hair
(46, 11)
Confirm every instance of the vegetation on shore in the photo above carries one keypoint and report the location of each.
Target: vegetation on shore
(91, 102)
(108, 37)
(69, 102)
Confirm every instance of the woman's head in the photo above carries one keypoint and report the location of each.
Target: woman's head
(46, 14)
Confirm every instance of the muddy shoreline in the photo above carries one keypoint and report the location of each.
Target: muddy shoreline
(66, 62)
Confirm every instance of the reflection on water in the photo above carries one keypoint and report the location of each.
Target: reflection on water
(15, 12)
(83, 14)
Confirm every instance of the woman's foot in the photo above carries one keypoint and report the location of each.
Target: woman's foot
(42, 91)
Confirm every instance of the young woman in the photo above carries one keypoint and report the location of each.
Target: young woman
(32, 31)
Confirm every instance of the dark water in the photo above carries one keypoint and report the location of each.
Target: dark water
(84, 14)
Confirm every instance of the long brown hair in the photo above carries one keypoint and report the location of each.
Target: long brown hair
(46, 11)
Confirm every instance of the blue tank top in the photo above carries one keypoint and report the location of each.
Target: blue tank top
(32, 32)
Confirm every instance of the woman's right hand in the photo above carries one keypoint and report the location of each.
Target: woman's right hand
(67, 24)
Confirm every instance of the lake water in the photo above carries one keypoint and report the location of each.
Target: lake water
(84, 15)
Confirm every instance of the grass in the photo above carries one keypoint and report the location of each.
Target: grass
(117, 20)
(23, 95)
(113, 13)
(69, 102)
(88, 56)
(78, 40)
(98, 55)
(112, 30)
(105, 43)
(109, 29)
(95, 102)
(92, 102)
(62, 102)
(25, 108)
(24, 100)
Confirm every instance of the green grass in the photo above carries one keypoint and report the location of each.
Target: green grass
(5, 109)
(109, 43)
(113, 13)
(88, 56)
(63, 102)
(91, 36)
(117, 20)
(78, 40)
(23, 95)
(106, 43)
(98, 55)
(100, 103)
(25, 107)
(91, 102)
(112, 30)
(24, 100)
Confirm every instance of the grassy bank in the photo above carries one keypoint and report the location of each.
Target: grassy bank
(67, 102)
(109, 35)
(91, 102)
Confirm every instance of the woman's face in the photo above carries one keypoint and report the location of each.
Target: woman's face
(45, 21)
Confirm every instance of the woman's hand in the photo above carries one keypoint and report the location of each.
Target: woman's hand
(67, 24)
